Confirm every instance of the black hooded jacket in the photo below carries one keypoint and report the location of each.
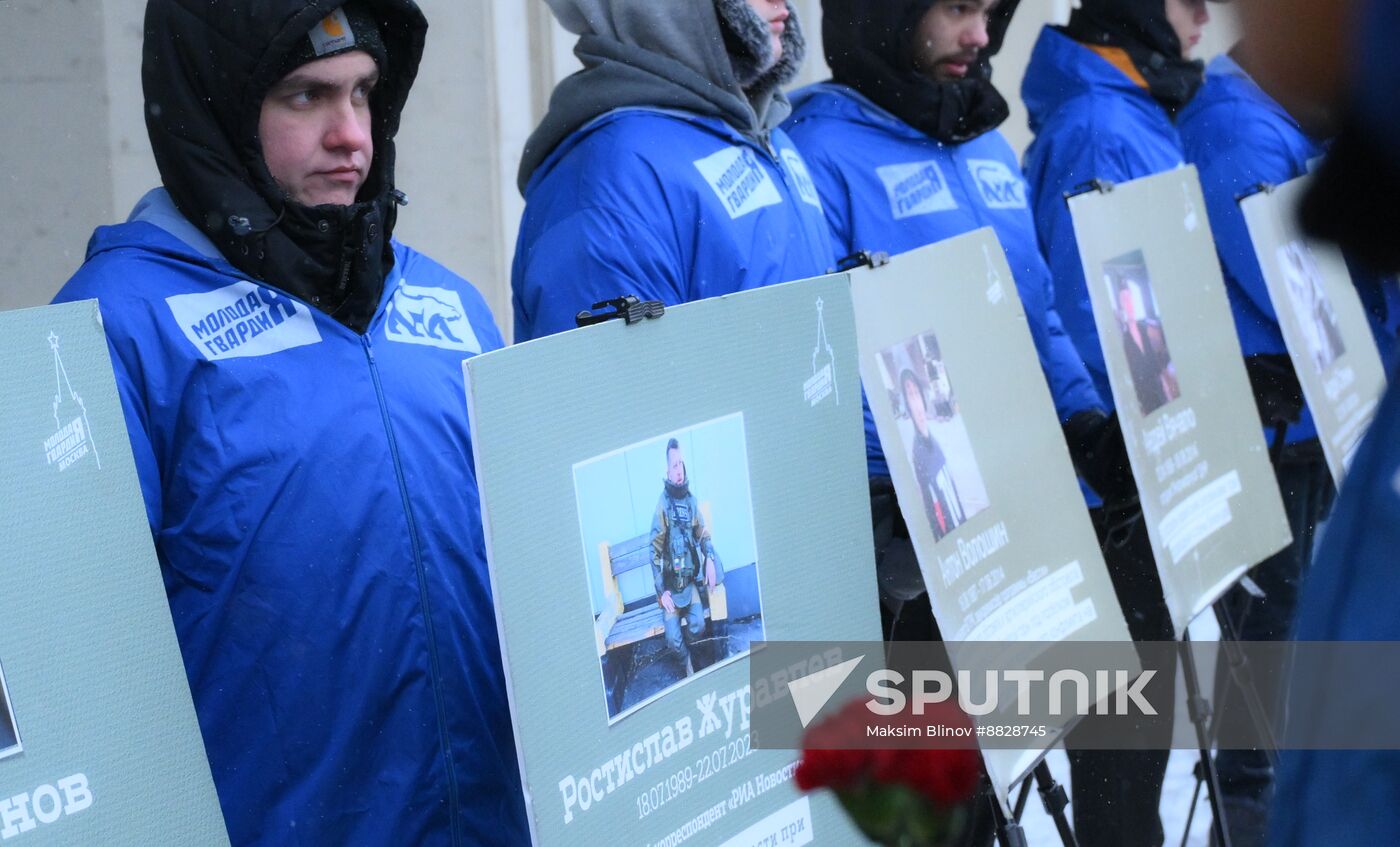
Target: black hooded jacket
(870, 47)
(1141, 28)
(205, 70)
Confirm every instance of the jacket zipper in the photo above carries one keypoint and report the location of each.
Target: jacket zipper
(764, 141)
(453, 800)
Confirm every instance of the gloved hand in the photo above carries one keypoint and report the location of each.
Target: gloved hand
(1096, 446)
(1276, 390)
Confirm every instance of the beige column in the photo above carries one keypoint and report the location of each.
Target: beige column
(55, 181)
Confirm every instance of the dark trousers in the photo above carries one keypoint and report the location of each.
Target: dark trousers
(908, 617)
(1246, 778)
(1116, 793)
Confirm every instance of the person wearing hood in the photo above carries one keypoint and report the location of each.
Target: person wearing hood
(1101, 93)
(660, 170)
(1241, 138)
(911, 94)
(291, 381)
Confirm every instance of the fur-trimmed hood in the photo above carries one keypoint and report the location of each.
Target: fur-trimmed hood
(641, 53)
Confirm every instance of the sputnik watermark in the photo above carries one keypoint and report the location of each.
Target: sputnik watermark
(1122, 687)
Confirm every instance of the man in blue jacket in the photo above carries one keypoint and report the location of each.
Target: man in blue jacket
(1242, 139)
(291, 378)
(660, 170)
(1101, 93)
(911, 96)
(882, 118)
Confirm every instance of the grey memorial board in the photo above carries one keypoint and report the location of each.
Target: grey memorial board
(622, 739)
(991, 500)
(1207, 489)
(98, 738)
(1323, 322)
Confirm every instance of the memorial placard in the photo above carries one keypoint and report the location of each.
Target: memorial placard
(1207, 489)
(1323, 322)
(657, 498)
(98, 738)
(980, 465)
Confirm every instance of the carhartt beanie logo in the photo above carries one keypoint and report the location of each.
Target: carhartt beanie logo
(351, 27)
(332, 35)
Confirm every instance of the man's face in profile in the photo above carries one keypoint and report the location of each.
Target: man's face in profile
(774, 14)
(1188, 19)
(950, 37)
(315, 129)
(675, 466)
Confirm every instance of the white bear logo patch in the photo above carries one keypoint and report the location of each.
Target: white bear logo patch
(430, 316)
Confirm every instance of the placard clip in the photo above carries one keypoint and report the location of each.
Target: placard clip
(862, 259)
(627, 307)
(1102, 186)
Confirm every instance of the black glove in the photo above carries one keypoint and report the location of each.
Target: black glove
(1276, 390)
(1096, 446)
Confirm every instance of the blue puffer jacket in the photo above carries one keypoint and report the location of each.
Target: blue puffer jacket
(1352, 593)
(1240, 137)
(1090, 122)
(886, 186)
(665, 205)
(314, 507)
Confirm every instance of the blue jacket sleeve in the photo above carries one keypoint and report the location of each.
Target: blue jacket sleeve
(1380, 297)
(138, 432)
(126, 366)
(1246, 157)
(1062, 160)
(593, 254)
(836, 200)
(1071, 387)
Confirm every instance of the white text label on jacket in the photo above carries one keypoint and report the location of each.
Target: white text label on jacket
(740, 182)
(916, 188)
(243, 319)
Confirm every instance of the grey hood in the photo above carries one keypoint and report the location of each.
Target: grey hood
(665, 54)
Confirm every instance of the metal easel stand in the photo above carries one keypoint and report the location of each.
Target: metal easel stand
(1199, 709)
(1056, 800)
(1243, 679)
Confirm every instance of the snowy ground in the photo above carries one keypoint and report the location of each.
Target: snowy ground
(1176, 804)
(1176, 791)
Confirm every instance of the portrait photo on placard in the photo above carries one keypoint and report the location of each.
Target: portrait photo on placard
(931, 429)
(669, 547)
(1311, 306)
(9, 731)
(1140, 327)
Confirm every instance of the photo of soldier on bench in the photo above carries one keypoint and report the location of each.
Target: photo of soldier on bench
(673, 575)
(682, 558)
